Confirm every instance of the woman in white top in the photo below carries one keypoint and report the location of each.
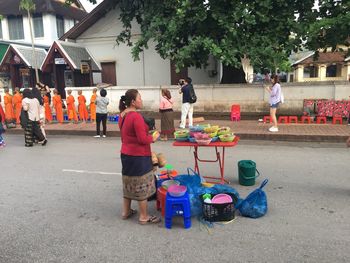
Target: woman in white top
(275, 100)
(32, 127)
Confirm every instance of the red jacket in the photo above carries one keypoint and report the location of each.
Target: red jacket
(134, 132)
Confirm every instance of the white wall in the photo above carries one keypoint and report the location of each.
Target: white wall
(50, 30)
(219, 98)
(151, 69)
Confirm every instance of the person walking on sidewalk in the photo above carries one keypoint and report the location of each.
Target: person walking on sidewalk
(17, 104)
(32, 126)
(72, 112)
(136, 157)
(188, 100)
(275, 99)
(93, 105)
(83, 113)
(101, 113)
(2, 130)
(10, 118)
(57, 104)
(167, 115)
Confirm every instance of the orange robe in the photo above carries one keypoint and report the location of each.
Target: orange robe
(48, 114)
(57, 104)
(83, 113)
(9, 114)
(72, 113)
(93, 107)
(17, 105)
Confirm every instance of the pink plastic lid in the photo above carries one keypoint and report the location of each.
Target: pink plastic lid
(221, 199)
(177, 189)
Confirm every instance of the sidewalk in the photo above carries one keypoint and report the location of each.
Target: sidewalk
(246, 129)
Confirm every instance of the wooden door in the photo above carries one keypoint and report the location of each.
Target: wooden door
(109, 74)
(176, 76)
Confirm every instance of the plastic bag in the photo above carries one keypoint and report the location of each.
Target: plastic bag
(255, 205)
(193, 182)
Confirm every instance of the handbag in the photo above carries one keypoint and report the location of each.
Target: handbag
(2, 129)
(24, 118)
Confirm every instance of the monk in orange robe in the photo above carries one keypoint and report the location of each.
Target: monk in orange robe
(57, 104)
(72, 113)
(9, 113)
(48, 114)
(93, 105)
(17, 104)
(83, 113)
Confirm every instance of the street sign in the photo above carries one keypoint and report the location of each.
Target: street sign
(84, 69)
(60, 61)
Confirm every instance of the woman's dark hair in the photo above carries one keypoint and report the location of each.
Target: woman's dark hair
(103, 93)
(37, 94)
(125, 100)
(27, 93)
(166, 93)
(188, 80)
(276, 79)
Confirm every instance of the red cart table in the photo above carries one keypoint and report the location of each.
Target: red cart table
(220, 158)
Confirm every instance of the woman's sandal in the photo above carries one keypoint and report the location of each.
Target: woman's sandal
(131, 213)
(151, 220)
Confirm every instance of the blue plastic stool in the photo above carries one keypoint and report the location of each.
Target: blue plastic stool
(177, 206)
(54, 118)
(65, 117)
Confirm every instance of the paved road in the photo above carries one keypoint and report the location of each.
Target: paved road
(51, 211)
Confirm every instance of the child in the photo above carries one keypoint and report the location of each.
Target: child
(93, 105)
(2, 142)
(57, 104)
(72, 113)
(83, 113)
(167, 115)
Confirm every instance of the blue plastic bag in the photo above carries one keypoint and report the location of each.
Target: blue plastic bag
(195, 190)
(255, 205)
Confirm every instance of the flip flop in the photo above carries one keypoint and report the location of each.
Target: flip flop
(151, 220)
(131, 213)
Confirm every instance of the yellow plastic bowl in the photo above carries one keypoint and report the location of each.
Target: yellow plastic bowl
(207, 184)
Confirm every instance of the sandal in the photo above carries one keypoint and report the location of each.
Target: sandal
(131, 213)
(151, 220)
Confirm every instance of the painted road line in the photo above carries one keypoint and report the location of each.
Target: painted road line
(88, 172)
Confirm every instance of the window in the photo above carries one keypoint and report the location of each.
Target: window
(15, 27)
(0, 30)
(38, 25)
(310, 72)
(60, 25)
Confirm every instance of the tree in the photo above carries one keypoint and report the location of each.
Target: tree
(265, 31)
(29, 6)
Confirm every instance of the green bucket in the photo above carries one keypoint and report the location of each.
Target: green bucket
(247, 172)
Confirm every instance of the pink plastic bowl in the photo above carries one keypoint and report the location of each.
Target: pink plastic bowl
(221, 199)
(177, 190)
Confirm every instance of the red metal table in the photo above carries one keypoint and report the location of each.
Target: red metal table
(220, 158)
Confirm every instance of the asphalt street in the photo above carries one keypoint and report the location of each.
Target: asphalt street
(62, 203)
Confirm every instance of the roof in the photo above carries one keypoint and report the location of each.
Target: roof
(90, 19)
(74, 11)
(9, 42)
(327, 57)
(26, 55)
(73, 54)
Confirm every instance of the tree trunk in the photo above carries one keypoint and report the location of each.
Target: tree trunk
(34, 56)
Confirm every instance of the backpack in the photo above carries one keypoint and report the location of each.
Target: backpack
(193, 97)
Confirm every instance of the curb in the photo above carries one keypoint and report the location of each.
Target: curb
(243, 136)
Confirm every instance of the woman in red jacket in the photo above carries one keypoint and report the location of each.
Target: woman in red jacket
(137, 168)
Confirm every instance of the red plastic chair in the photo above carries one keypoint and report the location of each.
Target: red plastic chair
(235, 112)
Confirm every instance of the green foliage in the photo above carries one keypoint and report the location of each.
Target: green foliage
(27, 5)
(188, 31)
